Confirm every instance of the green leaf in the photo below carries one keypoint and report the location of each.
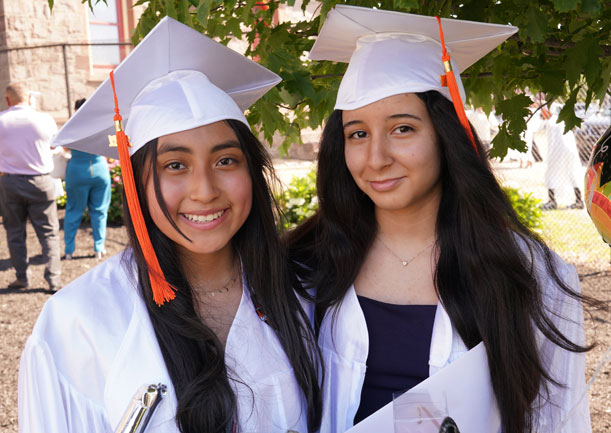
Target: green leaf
(405, 5)
(247, 10)
(537, 24)
(514, 111)
(203, 10)
(501, 143)
(565, 5)
(553, 80)
(233, 25)
(602, 90)
(185, 14)
(51, 5)
(576, 58)
(171, 9)
(592, 68)
(567, 114)
(591, 7)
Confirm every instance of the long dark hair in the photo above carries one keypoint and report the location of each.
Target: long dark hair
(193, 354)
(485, 272)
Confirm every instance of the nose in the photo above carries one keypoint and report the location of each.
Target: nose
(379, 153)
(203, 186)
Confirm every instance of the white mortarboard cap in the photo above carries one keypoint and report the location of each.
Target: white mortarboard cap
(390, 53)
(176, 79)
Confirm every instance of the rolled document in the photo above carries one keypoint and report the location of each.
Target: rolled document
(141, 408)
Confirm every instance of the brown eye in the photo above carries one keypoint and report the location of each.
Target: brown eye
(357, 134)
(224, 162)
(175, 166)
(404, 129)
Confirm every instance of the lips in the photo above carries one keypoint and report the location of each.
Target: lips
(204, 218)
(386, 184)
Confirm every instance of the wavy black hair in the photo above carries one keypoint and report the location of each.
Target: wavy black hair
(193, 354)
(483, 276)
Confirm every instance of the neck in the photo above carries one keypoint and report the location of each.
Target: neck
(210, 271)
(416, 224)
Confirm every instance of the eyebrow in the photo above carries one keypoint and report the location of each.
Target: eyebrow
(226, 145)
(394, 116)
(169, 147)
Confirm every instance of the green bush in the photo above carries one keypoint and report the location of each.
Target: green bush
(61, 200)
(527, 208)
(115, 210)
(299, 200)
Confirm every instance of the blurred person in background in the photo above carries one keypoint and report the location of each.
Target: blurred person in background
(87, 186)
(27, 191)
(563, 164)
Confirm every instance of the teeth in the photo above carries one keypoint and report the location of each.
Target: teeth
(204, 218)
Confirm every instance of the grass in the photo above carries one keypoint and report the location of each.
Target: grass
(571, 233)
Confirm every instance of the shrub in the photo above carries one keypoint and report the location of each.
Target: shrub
(299, 200)
(115, 210)
(61, 200)
(527, 208)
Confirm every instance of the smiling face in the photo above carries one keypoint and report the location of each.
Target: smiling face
(206, 186)
(392, 153)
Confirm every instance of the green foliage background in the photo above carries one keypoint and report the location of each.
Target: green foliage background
(527, 208)
(563, 49)
(299, 201)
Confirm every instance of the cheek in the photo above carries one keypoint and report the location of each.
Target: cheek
(354, 161)
(240, 188)
(154, 207)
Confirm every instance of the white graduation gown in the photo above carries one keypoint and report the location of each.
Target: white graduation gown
(93, 346)
(344, 341)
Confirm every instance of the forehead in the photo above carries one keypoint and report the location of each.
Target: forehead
(202, 137)
(404, 103)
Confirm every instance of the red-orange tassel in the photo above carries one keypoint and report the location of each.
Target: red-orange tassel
(162, 290)
(450, 82)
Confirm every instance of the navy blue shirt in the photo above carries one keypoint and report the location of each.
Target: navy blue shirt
(399, 347)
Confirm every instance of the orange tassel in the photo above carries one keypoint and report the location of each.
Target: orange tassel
(162, 290)
(450, 82)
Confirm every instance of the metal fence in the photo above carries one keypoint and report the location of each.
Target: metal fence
(558, 163)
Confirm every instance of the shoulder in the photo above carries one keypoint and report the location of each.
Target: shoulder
(109, 286)
(87, 320)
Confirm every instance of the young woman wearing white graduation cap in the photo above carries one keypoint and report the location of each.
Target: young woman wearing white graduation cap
(202, 302)
(416, 254)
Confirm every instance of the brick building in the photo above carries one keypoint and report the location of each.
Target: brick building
(51, 51)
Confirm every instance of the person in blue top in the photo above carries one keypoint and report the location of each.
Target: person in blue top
(87, 186)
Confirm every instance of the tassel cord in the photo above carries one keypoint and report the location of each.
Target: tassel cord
(162, 290)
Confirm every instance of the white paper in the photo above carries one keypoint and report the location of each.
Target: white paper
(466, 386)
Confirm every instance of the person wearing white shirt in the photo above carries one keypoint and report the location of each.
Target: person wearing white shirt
(416, 255)
(563, 168)
(27, 191)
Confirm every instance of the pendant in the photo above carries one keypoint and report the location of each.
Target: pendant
(404, 263)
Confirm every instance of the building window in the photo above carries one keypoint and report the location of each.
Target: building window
(106, 25)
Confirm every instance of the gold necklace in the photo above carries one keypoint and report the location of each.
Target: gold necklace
(406, 262)
(224, 288)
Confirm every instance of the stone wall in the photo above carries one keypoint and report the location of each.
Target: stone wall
(31, 25)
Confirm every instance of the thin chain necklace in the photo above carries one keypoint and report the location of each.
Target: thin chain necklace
(225, 287)
(403, 261)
